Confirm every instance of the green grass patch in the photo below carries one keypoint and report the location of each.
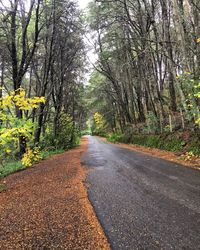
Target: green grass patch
(48, 153)
(2, 187)
(10, 167)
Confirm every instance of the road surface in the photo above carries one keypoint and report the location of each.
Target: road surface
(143, 202)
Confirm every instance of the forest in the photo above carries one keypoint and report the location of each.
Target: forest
(143, 86)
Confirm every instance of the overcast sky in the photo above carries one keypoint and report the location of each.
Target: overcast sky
(83, 3)
(91, 55)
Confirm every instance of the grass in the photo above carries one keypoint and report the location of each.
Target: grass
(171, 142)
(2, 187)
(48, 153)
(12, 167)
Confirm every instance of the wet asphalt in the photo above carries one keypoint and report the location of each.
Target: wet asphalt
(143, 202)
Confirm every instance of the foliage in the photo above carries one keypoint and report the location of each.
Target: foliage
(12, 127)
(18, 99)
(48, 152)
(191, 89)
(67, 135)
(47, 59)
(99, 124)
(138, 88)
(151, 123)
(167, 142)
(194, 146)
(85, 132)
(10, 167)
(174, 144)
(188, 156)
(31, 156)
(115, 137)
(2, 187)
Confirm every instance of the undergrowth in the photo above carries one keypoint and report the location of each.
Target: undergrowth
(170, 142)
(14, 166)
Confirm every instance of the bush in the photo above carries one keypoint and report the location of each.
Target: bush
(115, 137)
(31, 156)
(11, 127)
(67, 137)
(195, 147)
(85, 132)
(167, 141)
(98, 125)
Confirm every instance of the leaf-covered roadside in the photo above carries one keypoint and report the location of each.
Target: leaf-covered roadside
(59, 217)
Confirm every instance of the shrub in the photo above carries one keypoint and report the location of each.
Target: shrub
(195, 147)
(167, 142)
(99, 125)
(115, 137)
(67, 136)
(11, 127)
(31, 156)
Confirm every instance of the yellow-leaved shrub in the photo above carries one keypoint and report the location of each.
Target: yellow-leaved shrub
(31, 156)
(12, 127)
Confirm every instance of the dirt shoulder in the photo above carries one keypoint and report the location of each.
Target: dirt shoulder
(163, 154)
(47, 207)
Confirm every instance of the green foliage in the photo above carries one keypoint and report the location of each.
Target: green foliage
(67, 135)
(85, 132)
(115, 137)
(157, 141)
(10, 167)
(12, 127)
(146, 140)
(172, 144)
(2, 187)
(151, 123)
(48, 152)
(191, 89)
(194, 146)
(167, 142)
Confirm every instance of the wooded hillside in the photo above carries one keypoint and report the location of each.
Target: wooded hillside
(147, 74)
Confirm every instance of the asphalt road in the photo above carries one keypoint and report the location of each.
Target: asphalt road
(143, 202)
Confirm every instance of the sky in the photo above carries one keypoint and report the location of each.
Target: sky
(83, 3)
(91, 55)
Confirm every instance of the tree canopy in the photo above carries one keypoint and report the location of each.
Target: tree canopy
(145, 79)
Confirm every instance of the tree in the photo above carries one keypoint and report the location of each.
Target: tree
(143, 46)
(42, 50)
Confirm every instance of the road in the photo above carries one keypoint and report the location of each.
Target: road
(143, 202)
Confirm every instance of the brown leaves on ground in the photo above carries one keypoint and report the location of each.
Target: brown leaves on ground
(46, 207)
